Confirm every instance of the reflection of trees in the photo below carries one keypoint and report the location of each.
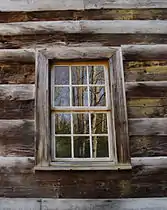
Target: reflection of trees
(81, 120)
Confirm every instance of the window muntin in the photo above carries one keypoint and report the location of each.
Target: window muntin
(81, 113)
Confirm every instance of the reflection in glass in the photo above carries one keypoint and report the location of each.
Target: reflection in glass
(63, 147)
(81, 123)
(80, 96)
(97, 96)
(81, 147)
(96, 75)
(100, 146)
(79, 75)
(63, 123)
(99, 123)
(61, 75)
(62, 96)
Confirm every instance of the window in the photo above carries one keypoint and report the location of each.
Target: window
(80, 116)
(81, 112)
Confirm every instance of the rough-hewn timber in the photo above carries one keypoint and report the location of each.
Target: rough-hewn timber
(38, 5)
(85, 26)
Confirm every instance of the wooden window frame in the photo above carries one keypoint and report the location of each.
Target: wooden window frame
(43, 114)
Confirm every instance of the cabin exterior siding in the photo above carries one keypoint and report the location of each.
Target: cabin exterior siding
(140, 30)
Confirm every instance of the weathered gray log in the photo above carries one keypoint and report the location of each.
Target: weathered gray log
(148, 126)
(40, 5)
(130, 52)
(85, 26)
(110, 4)
(17, 92)
(145, 52)
(146, 89)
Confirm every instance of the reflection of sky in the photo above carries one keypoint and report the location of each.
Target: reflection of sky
(62, 75)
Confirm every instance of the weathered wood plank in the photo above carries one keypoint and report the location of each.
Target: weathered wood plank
(38, 5)
(148, 126)
(85, 26)
(106, 204)
(136, 71)
(42, 110)
(145, 52)
(147, 179)
(17, 73)
(101, 14)
(96, 4)
(17, 92)
(147, 107)
(17, 137)
(146, 89)
(148, 146)
(120, 109)
(19, 109)
(132, 52)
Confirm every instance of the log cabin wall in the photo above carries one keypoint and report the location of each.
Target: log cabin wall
(141, 30)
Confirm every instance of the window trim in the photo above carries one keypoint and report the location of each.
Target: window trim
(43, 114)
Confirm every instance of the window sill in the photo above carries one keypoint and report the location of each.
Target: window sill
(58, 166)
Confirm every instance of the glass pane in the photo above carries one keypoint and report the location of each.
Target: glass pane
(61, 75)
(62, 96)
(99, 123)
(80, 96)
(79, 75)
(81, 147)
(97, 96)
(100, 146)
(81, 123)
(96, 75)
(63, 123)
(63, 147)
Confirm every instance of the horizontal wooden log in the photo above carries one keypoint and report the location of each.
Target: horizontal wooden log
(38, 5)
(85, 26)
(17, 109)
(145, 52)
(17, 73)
(146, 89)
(16, 137)
(101, 14)
(17, 92)
(147, 179)
(148, 126)
(137, 71)
(133, 52)
(148, 146)
(101, 4)
(147, 108)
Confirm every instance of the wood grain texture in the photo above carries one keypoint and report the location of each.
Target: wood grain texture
(85, 26)
(17, 137)
(120, 109)
(17, 73)
(147, 107)
(98, 14)
(146, 89)
(42, 110)
(145, 52)
(17, 92)
(38, 5)
(136, 71)
(133, 52)
(148, 146)
(145, 180)
(148, 126)
(99, 4)
(46, 41)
